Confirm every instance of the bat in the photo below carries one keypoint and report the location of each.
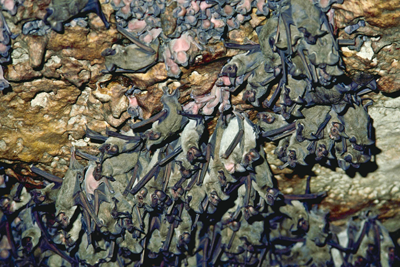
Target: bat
(61, 11)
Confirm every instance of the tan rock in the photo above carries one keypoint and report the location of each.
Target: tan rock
(71, 43)
(21, 72)
(36, 48)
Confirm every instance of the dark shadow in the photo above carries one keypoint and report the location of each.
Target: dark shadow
(7, 90)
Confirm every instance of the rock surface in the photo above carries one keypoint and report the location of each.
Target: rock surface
(57, 88)
(379, 53)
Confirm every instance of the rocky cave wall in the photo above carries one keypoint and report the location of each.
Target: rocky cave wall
(57, 88)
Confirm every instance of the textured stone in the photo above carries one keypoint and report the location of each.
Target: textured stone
(379, 54)
(36, 49)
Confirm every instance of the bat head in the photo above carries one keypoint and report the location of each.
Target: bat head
(30, 239)
(108, 52)
(271, 196)
(248, 212)
(184, 241)
(250, 157)
(5, 204)
(63, 217)
(249, 96)
(266, 117)
(229, 70)
(141, 196)
(321, 152)
(110, 149)
(153, 135)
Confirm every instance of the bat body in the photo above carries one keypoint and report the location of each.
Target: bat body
(61, 11)
(130, 58)
(171, 124)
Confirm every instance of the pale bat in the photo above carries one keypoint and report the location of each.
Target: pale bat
(30, 231)
(136, 57)
(263, 179)
(45, 196)
(150, 169)
(357, 124)
(190, 139)
(294, 223)
(69, 238)
(181, 48)
(236, 240)
(170, 124)
(71, 195)
(15, 200)
(119, 156)
(312, 126)
(88, 255)
(296, 153)
(238, 146)
(239, 66)
(313, 248)
(258, 82)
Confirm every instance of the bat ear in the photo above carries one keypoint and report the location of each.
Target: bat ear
(165, 90)
(176, 93)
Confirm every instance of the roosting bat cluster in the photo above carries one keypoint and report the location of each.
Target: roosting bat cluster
(170, 193)
(174, 32)
(144, 202)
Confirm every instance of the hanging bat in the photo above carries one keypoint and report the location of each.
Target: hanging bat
(70, 195)
(136, 57)
(170, 124)
(45, 196)
(61, 11)
(312, 126)
(190, 139)
(48, 241)
(232, 74)
(121, 161)
(263, 180)
(238, 146)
